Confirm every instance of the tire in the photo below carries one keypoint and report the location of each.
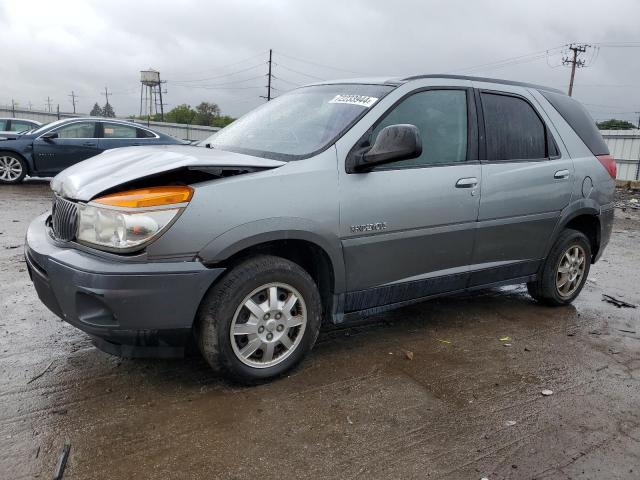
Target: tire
(252, 283)
(12, 168)
(563, 274)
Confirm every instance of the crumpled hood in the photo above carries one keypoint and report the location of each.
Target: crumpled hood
(84, 180)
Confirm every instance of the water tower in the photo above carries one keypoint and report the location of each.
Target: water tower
(151, 93)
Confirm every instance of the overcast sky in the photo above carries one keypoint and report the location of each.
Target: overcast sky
(50, 48)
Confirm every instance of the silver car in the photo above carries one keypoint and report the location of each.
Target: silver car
(332, 202)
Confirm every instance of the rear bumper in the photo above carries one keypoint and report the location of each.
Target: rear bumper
(606, 226)
(130, 309)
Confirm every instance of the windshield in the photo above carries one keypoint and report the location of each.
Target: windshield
(300, 123)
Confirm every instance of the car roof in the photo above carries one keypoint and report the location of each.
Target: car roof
(99, 119)
(397, 81)
(21, 120)
(62, 121)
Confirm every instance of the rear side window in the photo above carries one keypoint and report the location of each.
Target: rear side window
(115, 130)
(513, 129)
(579, 119)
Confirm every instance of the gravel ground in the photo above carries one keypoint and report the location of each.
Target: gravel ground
(464, 405)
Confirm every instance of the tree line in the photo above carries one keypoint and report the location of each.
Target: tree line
(614, 124)
(207, 114)
(106, 111)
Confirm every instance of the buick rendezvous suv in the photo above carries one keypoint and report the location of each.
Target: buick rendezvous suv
(332, 202)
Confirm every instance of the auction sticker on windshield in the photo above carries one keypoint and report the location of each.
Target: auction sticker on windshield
(362, 100)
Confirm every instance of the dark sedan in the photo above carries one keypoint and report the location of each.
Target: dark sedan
(48, 150)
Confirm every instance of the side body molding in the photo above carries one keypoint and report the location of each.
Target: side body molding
(271, 229)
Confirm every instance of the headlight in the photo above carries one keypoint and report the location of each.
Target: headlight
(127, 220)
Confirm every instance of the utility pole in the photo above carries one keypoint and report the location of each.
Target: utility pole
(106, 95)
(161, 103)
(48, 104)
(30, 104)
(574, 61)
(73, 100)
(58, 111)
(13, 108)
(269, 77)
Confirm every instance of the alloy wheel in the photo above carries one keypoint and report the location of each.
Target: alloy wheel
(10, 168)
(570, 271)
(268, 325)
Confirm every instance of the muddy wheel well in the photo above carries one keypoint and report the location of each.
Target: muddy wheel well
(590, 226)
(312, 258)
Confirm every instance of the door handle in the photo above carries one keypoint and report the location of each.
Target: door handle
(89, 144)
(561, 174)
(469, 182)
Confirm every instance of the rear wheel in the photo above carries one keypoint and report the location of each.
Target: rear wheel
(565, 270)
(12, 168)
(260, 320)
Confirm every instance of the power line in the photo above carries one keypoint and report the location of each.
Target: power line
(222, 67)
(232, 85)
(286, 81)
(298, 72)
(220, 76)
(227, 83)
(125, 92)
(618, 44)
(499, 63)
(205, 87)
(319, 64)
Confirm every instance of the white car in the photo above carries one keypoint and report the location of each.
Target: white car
(16, 126)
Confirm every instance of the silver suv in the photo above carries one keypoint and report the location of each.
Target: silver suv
(332, 202)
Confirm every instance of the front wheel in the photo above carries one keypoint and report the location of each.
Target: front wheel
(12, 168)
(565, 270)
(259, 320)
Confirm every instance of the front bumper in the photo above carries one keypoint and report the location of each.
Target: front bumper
(129, 308)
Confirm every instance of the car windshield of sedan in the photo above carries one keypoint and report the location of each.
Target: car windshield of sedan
(47, 126)
(300, 123)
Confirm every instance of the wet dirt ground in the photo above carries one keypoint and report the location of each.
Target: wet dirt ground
(357, 408)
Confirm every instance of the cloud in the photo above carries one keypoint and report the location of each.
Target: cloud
(52, 48)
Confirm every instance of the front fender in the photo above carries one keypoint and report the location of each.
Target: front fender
(271, 229)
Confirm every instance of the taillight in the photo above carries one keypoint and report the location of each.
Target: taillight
(609, 164)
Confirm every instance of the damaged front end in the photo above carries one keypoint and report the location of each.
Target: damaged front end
(123, 199)
(89, 259)
(137, 167)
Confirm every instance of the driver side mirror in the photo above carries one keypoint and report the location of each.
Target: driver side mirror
(393, 143)
(49, 136)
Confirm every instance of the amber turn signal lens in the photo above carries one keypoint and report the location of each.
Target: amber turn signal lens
(148, 197)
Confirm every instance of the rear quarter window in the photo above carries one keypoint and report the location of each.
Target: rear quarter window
(579, 119)
(142, 133)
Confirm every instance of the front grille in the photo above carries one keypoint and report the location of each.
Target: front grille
(64, 219)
